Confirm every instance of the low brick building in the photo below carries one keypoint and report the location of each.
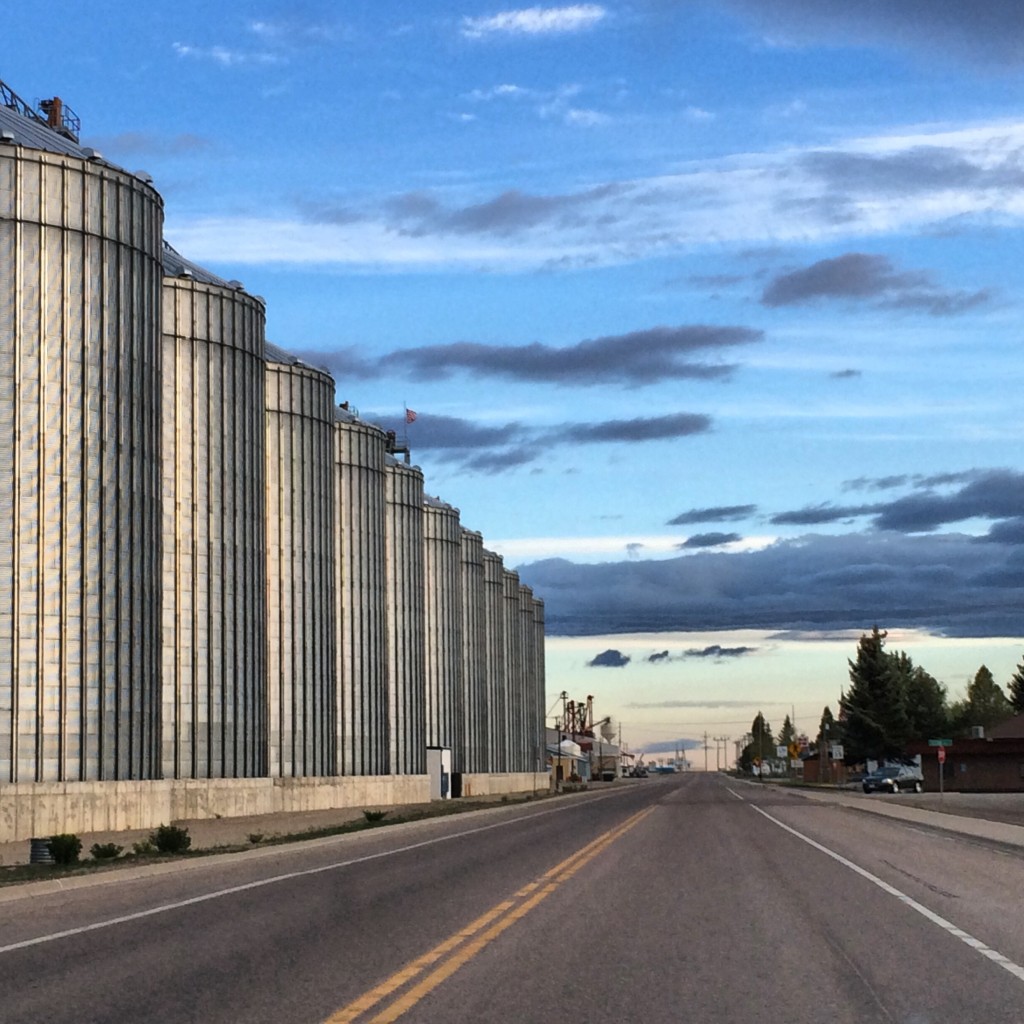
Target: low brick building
(992, 763)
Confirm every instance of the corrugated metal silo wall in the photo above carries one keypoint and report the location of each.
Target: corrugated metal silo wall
(300, 570)
(527, 701)
(442, 551)
(474, 653)
(405, 620)
(360, 586)
(539, 680)
(79, 470)
(513, 667)
(215, 675)
(496, 700)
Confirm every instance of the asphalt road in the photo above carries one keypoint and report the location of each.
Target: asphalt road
(691, 898)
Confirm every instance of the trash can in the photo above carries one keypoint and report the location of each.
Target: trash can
(39, 852)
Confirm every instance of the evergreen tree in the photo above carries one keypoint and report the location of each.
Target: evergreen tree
(829, 730)
(788, 733)
(927, 708)
(873, 709)
(1016, 689)
(986, 704)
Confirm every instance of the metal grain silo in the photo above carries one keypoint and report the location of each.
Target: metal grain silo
(213, 438)
(405, 619)
(360, 451)
(474, 653)
(300, 566)
(513, 666)
(79, 459)
(496, 700)
(442, 578)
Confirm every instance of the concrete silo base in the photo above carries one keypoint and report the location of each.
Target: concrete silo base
(50, 808)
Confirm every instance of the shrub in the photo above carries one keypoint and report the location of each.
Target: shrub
(141, 848)
(373, 816)
(65, 848)
(170, 839)
(255, 837)
(105, 851)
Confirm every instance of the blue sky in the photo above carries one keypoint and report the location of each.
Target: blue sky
(710, 312)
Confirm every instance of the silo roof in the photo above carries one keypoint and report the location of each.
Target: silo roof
(35, 134)
(275, 354)
(175, 265)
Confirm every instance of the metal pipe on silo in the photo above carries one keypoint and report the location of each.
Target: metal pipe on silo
(300, 567)
(474, 653)
(405, 619)
(214, 538)
(513, 666)
(442, 550)
(360, 451)
(494, 663)
(79, 462)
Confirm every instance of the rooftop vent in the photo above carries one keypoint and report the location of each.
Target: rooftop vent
(60, 118)
(144, 176)
(7, 136)
(185, 272)
(92, 154)
(237, 285)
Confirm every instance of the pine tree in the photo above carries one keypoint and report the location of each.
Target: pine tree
(927, 708)
(1016, 688)
(986, 704)
(873, 709)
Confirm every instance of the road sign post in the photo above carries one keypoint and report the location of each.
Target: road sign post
(941, 754)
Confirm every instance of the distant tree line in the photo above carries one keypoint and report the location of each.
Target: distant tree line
(892, 702)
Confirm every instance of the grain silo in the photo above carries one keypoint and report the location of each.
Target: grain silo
(525, 699)
(442, 552)
(495, 670)
(79, 456)
(360, 452)
(405, 619)
(474, 653)
(214, 671)
(513, 682)
(300, 566)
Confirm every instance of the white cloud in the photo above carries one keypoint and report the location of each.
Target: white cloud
(608, 548)
(699, 114)
(861, 189)
(535, 21)
(587, 118)
(222, 55)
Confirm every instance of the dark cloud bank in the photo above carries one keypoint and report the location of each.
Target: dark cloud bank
(950, 583)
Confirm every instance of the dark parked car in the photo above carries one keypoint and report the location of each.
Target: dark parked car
(893, 778)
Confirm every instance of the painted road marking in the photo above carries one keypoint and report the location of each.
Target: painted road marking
(217, 894)
(463, 945)
(969, 940)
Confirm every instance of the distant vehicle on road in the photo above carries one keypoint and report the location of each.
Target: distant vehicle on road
(894, 778)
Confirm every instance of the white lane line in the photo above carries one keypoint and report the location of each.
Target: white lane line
(969, 940)
(275, 879)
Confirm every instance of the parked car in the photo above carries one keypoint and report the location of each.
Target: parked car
(893, 778)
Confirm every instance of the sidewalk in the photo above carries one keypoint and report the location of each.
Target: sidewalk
(962, 813)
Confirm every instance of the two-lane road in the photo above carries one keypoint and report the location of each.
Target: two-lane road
(690, 898)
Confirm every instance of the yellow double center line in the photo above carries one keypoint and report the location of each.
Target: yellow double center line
(458, 949)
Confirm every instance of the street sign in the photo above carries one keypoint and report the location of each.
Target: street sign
(940, 743)
(942, 755)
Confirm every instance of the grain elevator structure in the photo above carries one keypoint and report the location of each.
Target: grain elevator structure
(218, 587)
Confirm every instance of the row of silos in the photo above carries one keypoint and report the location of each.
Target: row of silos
(208, 570)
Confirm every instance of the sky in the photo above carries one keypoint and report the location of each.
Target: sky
(709, 312)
